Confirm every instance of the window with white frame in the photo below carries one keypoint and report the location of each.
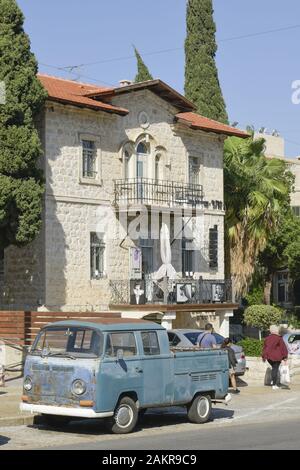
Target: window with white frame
(97, 247)
(89, 159)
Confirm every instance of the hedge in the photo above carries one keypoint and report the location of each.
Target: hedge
(252, 347)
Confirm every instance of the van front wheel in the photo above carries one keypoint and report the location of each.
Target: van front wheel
(199, 411)
(125, 417)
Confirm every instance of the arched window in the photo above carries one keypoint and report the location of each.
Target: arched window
(142, 164)
(126, 156)
(158, 169)
(142, 148)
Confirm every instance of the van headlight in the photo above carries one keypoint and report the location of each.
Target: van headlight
(78, 387)
(27, 384)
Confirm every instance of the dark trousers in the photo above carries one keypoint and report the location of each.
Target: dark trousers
(275, 366)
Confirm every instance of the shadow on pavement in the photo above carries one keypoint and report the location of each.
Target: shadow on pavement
(4, 440)
(152, 418)
(241, 383)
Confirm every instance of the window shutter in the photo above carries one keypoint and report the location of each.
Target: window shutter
(213, 247)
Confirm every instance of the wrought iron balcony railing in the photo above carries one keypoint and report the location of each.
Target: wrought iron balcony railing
(157, 192)
(181, 291)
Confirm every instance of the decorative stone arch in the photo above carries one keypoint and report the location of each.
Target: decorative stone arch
(127, 157)
(148, 163)
(160, 162)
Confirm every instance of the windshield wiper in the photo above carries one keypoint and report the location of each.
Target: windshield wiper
(62, 354)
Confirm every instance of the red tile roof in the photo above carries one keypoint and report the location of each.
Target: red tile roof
(195, 121)
(80, 94)
(67, 91)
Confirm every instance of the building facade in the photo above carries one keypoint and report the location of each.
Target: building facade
(285, 293)
(119, 164)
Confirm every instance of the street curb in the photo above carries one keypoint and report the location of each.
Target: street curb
(21, 420)
(16, 421)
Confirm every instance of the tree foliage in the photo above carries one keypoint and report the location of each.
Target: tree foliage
(256, 190)
(262, 316)
(21, 182)
(202, 84)
(292, 253)
(282, 244)
(143, 73)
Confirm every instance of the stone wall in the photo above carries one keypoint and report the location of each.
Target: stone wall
(74, 207)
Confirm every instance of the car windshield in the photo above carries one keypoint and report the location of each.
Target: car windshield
(294, 337)
(193, 336)
(71, 342)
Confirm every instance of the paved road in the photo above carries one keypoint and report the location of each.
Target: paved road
(243, 437)
(257, 419)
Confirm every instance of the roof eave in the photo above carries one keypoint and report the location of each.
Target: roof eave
(242, 135)
(119, 111)
(171, 95)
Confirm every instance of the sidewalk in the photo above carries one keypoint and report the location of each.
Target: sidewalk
(10, 397)
(251, 395)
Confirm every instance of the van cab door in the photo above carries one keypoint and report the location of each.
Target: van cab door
(157, 370)
(120, 369)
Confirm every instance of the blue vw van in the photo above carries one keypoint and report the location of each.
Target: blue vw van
(115, 370)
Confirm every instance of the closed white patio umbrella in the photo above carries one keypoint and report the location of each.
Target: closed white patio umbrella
(166, 269)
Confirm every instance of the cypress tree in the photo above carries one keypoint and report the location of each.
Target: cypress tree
(143, 73)
(202, 84)
(21, 182)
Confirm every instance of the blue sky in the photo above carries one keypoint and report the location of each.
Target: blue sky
(256, 73)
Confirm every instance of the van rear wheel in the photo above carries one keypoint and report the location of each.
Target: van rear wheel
(125, 417)
(199, 410)
(56, 421)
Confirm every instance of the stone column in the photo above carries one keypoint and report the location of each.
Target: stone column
(224, 322)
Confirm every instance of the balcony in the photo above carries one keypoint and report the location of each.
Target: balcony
(179, 291)
(145, 191)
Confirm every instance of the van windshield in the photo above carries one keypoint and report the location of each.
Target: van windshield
(69, 342)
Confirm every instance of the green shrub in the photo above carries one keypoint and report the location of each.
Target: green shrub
(293, 318)
(255, 297)
(252, 347)
(262, 316)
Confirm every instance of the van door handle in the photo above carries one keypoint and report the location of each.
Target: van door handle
(138, 370)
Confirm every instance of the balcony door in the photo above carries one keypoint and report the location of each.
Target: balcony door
(142, 165)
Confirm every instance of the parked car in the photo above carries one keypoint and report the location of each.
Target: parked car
(184, 338)
(292, 341)
(116, 369)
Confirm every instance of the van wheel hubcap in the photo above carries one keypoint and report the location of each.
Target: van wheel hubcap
(203, 407)
(124, 416)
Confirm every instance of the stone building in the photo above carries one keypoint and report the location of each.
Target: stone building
(284, 292)
(119, 163)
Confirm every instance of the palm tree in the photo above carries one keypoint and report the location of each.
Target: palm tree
(255, 189)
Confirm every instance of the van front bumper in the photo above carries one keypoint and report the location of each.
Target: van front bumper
(64, 411)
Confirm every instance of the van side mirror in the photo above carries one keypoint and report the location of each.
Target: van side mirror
(120, 355)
